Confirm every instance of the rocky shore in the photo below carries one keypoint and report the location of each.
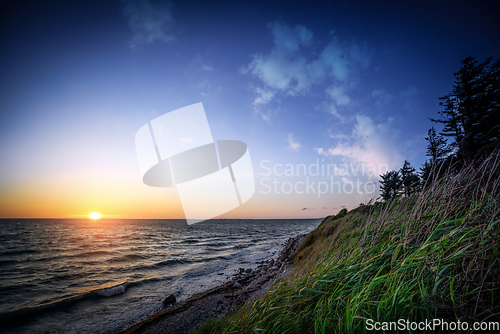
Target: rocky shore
(246, 285)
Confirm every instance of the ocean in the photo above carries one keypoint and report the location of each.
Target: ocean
(84, 276)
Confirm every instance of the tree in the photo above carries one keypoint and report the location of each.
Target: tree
(437, 148)
(390, 185)
(410, 181)
(471, 114)
(452, 123)
(426, 173)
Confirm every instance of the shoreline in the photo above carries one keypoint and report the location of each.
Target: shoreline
(187, 315)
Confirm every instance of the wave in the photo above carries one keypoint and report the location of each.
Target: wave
(233, 256)
(72, 253)
(19, 286)
(155, 265)
(128, 257)
(206, 271)
(5, 262)
(66, 276)
(20, 252)
(240, 246)
(112, 291)
(22, 315)
(216, 244)
(93, 253)
(190, 241)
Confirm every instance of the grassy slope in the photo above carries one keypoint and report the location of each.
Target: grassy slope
(434, 255)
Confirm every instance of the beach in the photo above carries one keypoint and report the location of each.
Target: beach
(246, 285)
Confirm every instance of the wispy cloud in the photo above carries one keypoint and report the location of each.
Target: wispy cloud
(206, 67)
(203, 65)
(291, 68)
(369, 143)
(333, 135)
(263, 97)
(149, 21)
(382, 98)
(292, 144)
(332, 109)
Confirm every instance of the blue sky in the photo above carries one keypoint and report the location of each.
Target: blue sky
(327, 82)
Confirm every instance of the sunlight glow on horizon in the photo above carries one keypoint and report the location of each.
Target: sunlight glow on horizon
(95, 215)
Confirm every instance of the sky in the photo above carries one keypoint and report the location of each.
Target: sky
(327, 95)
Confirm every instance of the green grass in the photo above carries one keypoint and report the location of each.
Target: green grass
(433, 255)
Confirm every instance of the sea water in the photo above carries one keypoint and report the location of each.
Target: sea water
(84, 276)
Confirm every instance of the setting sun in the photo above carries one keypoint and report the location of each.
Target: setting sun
(95, 215)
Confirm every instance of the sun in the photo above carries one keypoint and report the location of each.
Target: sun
(95, 215)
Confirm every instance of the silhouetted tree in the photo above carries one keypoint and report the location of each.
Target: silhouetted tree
(471, 114)
(452, 124)
(437, 148)
(390, 185)
(410, 181)
(426, 173)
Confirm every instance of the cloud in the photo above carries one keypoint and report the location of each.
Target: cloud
(263, 97)
(332, 109)
(203, 66)
(346, 180)
(287, 39)
(206, 67)
(370, 143)
(292, 144)
(382, 98)
(149, 21)
(305, 209)
(338, 94)
(337, 135)
(283, 69)
(291, 67)
(207, 88)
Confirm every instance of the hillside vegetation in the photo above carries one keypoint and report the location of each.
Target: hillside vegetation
(432, 255)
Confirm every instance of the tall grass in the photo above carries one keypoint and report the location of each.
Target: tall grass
(432, 255)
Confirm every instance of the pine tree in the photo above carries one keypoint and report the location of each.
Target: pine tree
(426, 173)
(437, 148)
(390, 185)
(452, 122)
(471, 114)
(409, 179)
